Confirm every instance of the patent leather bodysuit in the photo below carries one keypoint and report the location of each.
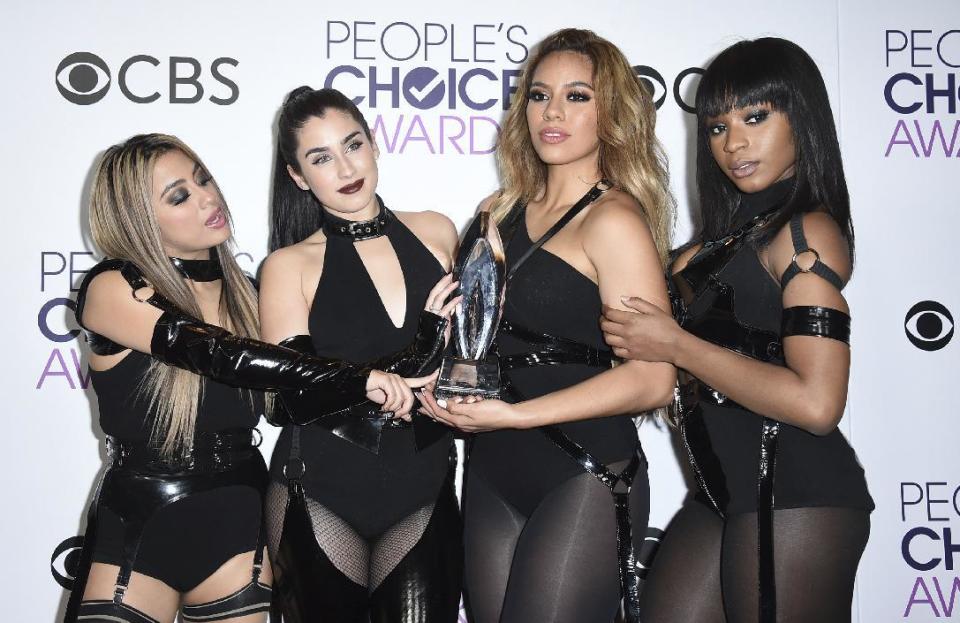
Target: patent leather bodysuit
(176, 520)
(743, 461)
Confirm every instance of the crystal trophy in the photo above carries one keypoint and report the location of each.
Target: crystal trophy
(471, 369)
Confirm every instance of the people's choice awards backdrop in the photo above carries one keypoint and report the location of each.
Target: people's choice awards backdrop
(434, 81)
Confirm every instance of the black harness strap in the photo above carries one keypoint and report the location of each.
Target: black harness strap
(598, 189)
(800, 247)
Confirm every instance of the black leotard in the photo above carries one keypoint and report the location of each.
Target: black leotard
(540, 532)
(552, 297)
(811, 470)
(371, 492)
(365, 530)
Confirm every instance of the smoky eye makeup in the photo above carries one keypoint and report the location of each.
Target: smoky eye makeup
(536, 95)
(178, 196)
(757, 115)
(578, 96)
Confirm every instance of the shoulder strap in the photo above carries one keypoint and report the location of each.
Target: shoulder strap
(598, 189)
(800, 246)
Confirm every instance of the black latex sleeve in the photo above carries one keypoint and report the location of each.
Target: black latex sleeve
(211, 351)
(306, 406)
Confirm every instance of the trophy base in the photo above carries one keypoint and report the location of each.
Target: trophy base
(467, 377)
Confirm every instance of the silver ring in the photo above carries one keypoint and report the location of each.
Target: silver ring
(816, 259)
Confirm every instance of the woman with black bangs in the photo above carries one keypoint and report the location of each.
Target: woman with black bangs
(781, 518)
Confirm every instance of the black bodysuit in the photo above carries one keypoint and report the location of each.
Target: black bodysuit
(176, 519)
(376, 512)
(790, 508)
(187, 541)
(540, 533)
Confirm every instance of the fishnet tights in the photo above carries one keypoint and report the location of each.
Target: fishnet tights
(366, 563)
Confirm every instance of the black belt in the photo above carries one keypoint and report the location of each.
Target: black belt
(211, 451)
(555, 351)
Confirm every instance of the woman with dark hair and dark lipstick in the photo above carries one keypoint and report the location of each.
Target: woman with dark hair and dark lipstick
(176, 525)
(781, 518)
(582, 175)
(362, 515)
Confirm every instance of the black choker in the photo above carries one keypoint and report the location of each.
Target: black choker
(358, 230)
(199, 270)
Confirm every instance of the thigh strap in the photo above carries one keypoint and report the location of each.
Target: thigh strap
(252, 598)
(619, 485)
(765, 474)
(105, 610)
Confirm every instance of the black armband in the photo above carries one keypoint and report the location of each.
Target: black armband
(816, 321)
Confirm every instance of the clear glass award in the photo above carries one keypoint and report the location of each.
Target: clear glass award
(472, 369)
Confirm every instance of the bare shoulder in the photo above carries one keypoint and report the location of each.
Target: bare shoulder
(615, 210)
(433, 228)
(823, 236)
(487, 203)
(106, 288)
(293, 259)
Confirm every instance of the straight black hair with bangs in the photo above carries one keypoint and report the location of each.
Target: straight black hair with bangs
(295, 213)
(781, 74)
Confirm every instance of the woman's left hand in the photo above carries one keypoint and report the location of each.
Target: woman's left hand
(650, 334)
(474, 416)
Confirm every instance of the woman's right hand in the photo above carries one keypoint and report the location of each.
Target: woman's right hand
(437, 299)
(395, 393)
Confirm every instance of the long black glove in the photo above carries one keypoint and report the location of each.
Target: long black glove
(211, 351)
(419, 358)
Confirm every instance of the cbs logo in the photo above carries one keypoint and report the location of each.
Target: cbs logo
(684, 85)
(929, 325)
(65, 561)
(84, 78)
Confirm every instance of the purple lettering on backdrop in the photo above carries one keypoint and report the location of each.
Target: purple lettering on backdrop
(63, 371)
(453, 138)
(914, 599)
(473, 135)
(937, 130)
(945, 604)
(901, 125)
(417, 123)
(380, 132)
(48, 371)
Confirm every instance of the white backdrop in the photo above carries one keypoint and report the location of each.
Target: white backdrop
(433, 79)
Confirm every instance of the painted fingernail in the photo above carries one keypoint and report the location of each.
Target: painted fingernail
(442, 403)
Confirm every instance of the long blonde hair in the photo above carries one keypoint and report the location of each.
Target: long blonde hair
(124, 226)
(631, 157)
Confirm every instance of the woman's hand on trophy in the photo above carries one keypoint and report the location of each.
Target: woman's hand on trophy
(646, 334)
(475, 415)
(437, 302)
(393, 392)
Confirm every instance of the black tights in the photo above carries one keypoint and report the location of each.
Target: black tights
(705, 571)
(557, 566)
(327, 573)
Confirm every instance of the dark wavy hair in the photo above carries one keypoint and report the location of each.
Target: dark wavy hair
(779, 73)
(294, 213)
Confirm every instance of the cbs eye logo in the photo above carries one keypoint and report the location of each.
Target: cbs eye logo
(929, 325)
(83, 78)
(65, 561)
(684, 85)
